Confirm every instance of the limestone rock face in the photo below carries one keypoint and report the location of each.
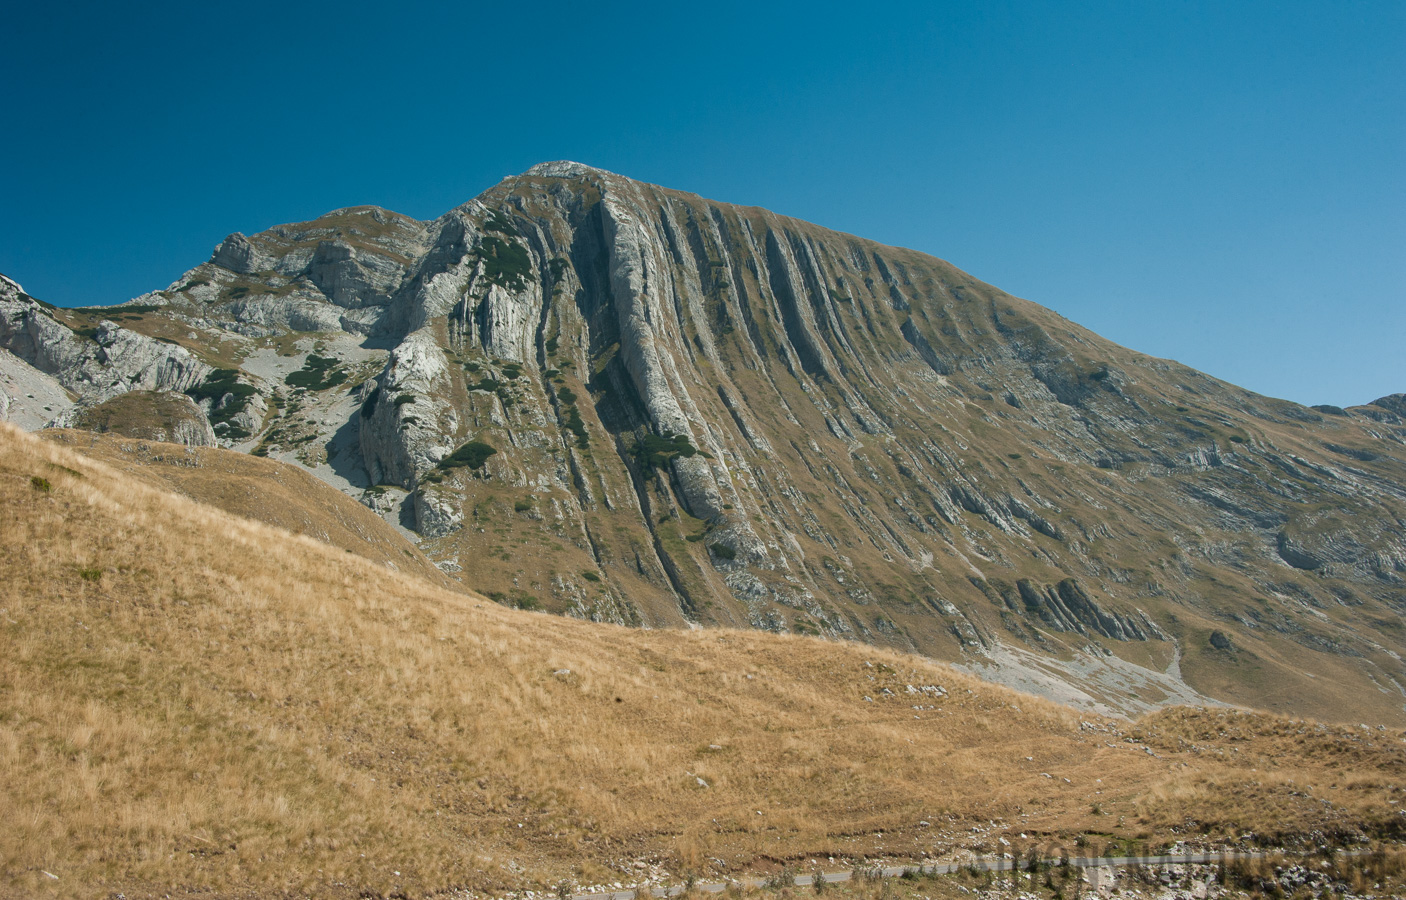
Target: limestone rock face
(34, 337)
(352, 279)
(612, 400)
(107, 361)
(1392, 403)
(437, 513)
(28, 397)
(126, 361)
(277, 314)
(238, 255)
(405, 417)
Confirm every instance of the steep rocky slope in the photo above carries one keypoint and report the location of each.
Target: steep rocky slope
(630, 404)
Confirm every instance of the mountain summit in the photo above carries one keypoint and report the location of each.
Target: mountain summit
(611, 400)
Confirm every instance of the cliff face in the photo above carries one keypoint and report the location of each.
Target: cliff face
(611, 400)
(97, 362)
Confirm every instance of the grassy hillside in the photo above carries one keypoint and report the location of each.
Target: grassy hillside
(191, 702)
(268, 491)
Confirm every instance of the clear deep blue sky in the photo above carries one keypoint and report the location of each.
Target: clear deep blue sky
(1222, 183)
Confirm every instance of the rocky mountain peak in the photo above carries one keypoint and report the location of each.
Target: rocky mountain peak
(565, 168)
(9, 286)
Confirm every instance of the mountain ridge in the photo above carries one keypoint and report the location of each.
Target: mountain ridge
(627, 403)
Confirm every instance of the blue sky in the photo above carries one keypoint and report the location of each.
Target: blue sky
(1219, 183)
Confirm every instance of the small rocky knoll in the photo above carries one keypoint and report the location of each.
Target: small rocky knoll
(164, 416)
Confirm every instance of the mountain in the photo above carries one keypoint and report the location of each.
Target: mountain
(623, 403)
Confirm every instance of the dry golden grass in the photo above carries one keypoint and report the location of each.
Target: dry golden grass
(266, 490)
(192, 702)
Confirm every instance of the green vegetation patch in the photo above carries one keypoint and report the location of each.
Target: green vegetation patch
(471, 455)
(722, 551)
(576, 426)
(518, 599)
(223, 386)
(500, 223)
(135, 309)
(218, 384)
(505, 263)
(317, 374)
(571, 417)
(655, 451)
(240, 290)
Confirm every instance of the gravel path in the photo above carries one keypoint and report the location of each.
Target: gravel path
(1219, 857)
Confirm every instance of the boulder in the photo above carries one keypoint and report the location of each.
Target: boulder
(237, 254)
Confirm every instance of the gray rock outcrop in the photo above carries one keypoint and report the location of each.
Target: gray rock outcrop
(28, 397)
(237, 254)
(108, 361)
(352, 279)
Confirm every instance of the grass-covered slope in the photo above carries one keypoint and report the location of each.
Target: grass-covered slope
(265, 490)
(193, 702)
